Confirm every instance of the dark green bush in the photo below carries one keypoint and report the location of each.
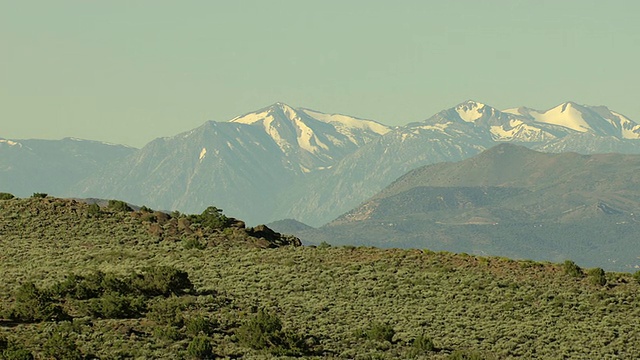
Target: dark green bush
(469, 355)
(324, 245)
(167, 332)
(423, 344)
(94, 210)
(32, 304)
(60, 346)
(260, 332)
(117, 306)
(570, 268)
(169, 311)
(192, 243)
(211, 217)
(200, 325)
(597, 276)
(6, 196)
(80, 287)
(121, 206)
(380, 332)
(39, 195)
(200, 348)
(14, 351)
(264, 332)
(162, 281)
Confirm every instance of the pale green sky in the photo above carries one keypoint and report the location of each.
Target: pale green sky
(132, 70)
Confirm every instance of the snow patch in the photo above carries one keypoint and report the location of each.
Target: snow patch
(10, 143)
(250, 118)
(565, 115)
(628, 128)
(347, 122)
(470, 111)
(307, 136)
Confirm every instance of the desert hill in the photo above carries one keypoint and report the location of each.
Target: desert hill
(84, 282)
(507, 201)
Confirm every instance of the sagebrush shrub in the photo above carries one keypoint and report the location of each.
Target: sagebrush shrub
(200, 348)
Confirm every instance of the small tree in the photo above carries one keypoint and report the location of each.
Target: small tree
(120, 206)
(261, 332)
(211, 217)
(423, 344)
(200, 348)
(162, 281)
(380, 332)
(31, 304)
(6, 196)
(597, 276)
(570, 268)
(60, 345)
(39, 195)
(94, 210)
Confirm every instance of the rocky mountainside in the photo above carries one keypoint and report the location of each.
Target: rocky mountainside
(246, 165)
(52, 166)
(508, 201)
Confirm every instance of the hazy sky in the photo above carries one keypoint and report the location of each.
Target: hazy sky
(130, 71)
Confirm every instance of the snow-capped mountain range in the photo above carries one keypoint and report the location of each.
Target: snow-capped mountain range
(284, 162)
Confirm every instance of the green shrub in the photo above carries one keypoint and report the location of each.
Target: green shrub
(636, 276)
(80, 287)
(200, 325)
(211, 217)
(264, 332)
(597, 276)
(469, 355)
(117, 306)
(94, 210)
(192, 243)
(324, 245)
(31, 305)
(570, 268)
(39, 195)
(423, 344)
(6, 196)
(121, 206)
(260, 332)
(380, 332)
(60, 345)
(168, 311)
(200, 348)
(167, 332)
(14, 351)
(162, 281)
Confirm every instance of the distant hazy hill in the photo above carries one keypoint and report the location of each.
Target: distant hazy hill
(52, 166)
(508, 201)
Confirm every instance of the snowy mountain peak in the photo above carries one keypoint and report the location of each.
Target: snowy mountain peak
(470, 110)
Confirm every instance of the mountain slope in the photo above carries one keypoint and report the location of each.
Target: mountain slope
(246, 165)
(455, 134)
(52, 166)
(283, 162)
(508, 201)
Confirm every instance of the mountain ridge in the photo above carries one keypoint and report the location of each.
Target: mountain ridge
(283, 162)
